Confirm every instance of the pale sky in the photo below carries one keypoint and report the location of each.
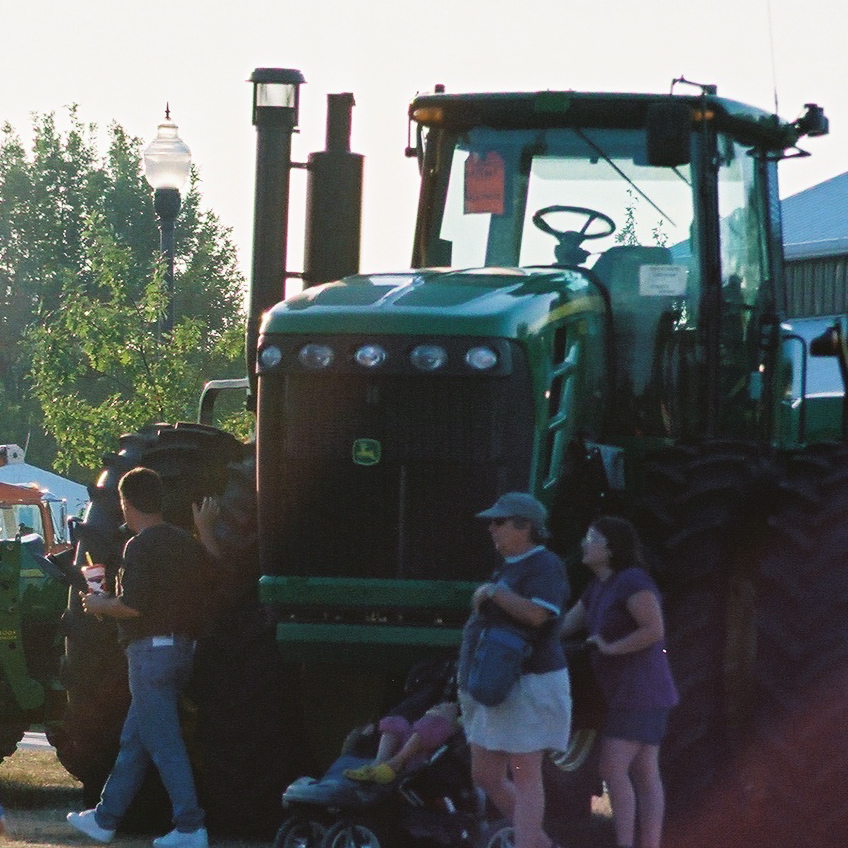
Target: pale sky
(122, 61)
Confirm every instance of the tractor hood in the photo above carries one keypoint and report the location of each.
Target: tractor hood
(485, 301)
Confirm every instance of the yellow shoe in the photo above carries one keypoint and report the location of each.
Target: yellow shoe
(382, 773)
(363, 773)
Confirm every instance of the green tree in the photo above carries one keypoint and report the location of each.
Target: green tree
(81, 285)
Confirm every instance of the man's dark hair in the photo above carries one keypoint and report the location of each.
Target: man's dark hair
(622, 541)
(142, 488)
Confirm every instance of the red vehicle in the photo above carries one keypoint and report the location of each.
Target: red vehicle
(25, 510)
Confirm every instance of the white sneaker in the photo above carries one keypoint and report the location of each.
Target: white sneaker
(85, 823)
(177, 839)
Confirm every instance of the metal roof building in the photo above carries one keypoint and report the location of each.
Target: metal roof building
(815, 243)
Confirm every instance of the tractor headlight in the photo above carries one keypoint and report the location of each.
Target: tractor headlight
(370, 356)
(481, 358)
(270, 357)
(316, 356)
(428, 357)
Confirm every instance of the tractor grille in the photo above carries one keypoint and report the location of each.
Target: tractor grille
(366, 476)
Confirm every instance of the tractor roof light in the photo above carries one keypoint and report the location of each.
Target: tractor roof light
(428, 115)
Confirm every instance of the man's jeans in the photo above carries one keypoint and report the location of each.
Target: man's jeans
(158, 673)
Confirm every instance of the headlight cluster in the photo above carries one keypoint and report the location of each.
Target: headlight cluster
(394, 355)
(423, 357)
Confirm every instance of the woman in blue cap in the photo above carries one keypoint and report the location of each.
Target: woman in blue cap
(508, 741)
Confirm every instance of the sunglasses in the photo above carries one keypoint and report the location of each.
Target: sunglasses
(516, 520)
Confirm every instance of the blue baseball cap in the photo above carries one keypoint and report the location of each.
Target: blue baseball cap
(519, 505)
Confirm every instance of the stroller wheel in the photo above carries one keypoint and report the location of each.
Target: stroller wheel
(495, 834)
(356, 834)
(300, 832)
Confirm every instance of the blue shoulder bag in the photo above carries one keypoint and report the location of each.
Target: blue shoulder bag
(496, 664)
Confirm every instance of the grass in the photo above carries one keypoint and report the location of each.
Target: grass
(37, 793)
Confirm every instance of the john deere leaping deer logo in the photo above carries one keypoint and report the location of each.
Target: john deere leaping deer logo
(367, 451)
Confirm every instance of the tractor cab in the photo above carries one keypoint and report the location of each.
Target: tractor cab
(25, 514)
(667, 203)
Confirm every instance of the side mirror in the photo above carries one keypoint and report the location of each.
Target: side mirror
(829, 343)
(73, 524)
(832, 342)
(669, 128)
(813, 122)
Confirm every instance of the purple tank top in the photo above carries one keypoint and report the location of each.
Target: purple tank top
(636, 681)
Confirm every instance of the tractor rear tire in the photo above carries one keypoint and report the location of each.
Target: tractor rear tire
(10, 734)
(698, 516)
(795, 758)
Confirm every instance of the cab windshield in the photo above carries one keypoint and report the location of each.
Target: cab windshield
(20, 520)
(499, 180)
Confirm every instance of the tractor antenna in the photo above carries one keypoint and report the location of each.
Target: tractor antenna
(771, 50)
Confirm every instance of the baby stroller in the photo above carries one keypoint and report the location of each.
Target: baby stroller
(432, 804)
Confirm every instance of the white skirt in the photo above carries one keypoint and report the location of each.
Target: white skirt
(535, 716)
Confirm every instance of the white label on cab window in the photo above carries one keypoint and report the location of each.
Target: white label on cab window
(662, 280)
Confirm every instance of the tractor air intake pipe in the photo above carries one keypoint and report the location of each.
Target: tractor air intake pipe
(333, 200)
(276, 94)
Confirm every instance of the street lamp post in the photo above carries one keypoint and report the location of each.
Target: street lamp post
(167, 163)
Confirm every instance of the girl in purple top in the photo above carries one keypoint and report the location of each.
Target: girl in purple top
(621, 611)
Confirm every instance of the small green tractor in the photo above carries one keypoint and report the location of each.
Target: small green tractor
(35, 571)
(595, 313)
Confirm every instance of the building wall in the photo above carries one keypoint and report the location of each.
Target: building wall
(817, 286)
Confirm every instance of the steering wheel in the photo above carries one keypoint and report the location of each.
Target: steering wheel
(568, 250)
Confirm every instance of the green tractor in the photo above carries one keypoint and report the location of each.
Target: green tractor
(35, 572)
(594, 315)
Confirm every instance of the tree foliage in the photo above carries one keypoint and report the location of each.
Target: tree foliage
(81, 284)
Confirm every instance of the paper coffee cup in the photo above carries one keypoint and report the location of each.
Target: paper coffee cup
(94, 576)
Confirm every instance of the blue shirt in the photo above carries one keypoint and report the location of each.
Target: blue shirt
(539, 576)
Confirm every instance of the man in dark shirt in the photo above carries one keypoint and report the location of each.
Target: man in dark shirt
(158, 615)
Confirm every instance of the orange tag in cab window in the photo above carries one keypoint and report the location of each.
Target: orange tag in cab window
(484, 184)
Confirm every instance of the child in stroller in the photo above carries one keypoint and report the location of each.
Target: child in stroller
(415, 791)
